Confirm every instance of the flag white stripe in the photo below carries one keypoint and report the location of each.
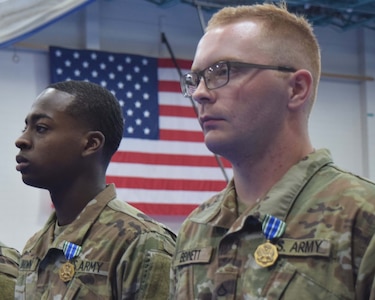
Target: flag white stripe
(163, 171)
(163, 196)
(179, 123)
(170, 74)
(171, 98)
(164, 147)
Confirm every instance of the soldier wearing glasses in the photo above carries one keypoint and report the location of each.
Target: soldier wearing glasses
(290, 224)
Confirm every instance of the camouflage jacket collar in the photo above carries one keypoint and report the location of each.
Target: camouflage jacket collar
(74, 232)
(277, 202)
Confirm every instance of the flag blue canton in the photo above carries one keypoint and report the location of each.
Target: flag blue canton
(133, 79)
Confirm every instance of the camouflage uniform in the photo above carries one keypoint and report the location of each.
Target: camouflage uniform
(125, 255)
(9, 259)
(326, 252)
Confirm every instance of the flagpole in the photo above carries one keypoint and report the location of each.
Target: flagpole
(165, 41)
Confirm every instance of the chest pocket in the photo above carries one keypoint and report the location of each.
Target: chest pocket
(78, 290)
(287, 282)
(90, 281)
(189, 265)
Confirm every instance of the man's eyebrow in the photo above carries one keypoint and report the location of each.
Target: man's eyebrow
(35, 117)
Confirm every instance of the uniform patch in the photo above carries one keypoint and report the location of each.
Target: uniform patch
(304, 247)
(86, 266)
(193, 256)
(28, 264)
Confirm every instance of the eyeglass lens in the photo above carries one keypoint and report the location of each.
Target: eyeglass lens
(214, 77)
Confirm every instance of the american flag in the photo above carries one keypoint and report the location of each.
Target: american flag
(162, 166)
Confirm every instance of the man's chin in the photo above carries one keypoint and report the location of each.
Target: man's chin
(28, 181)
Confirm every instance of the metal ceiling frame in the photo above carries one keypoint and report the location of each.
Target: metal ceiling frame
(341, 14)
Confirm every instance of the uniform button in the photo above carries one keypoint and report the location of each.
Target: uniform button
(226, 288)
(221, 291)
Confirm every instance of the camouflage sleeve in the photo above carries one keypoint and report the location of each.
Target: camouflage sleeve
(365, 286)
(9, 259)
(145, 267)
(172, 283)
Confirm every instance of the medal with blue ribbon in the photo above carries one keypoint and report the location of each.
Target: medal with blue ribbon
(266, 254)
(67, 269)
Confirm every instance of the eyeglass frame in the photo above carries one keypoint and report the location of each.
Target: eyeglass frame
(229, 64)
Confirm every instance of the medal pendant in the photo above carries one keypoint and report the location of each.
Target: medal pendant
(266, 254)
(66, 271)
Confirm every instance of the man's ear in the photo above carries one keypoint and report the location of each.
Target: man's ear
(301, 89)
(94, 141)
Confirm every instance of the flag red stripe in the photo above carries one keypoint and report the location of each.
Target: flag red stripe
(168, 63)
(167, 184)
(180, 135)
(169, 86)
(167, 159)
(164, 209)
(177, 111)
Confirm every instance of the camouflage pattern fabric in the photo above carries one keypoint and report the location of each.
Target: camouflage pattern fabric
(9, 259)
(326, 252)
(125, 255)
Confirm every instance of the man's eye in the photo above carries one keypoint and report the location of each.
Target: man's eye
(221, 72)
(40, 128)
(191, 81)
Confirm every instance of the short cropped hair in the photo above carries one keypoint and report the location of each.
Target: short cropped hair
(98, 108)
(288, 39)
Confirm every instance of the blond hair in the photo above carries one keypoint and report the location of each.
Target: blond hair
(289, 39)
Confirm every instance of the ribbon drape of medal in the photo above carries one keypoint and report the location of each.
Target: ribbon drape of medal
(273, 227)
(67, 269)
(266, 254)
(71, 250)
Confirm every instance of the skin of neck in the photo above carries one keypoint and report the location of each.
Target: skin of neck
(255, 176)
(69, 200)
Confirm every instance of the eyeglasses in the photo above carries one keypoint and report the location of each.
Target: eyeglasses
(218, 74)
